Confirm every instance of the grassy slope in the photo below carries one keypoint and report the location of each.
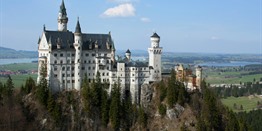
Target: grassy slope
(19, 79)
(249, 103)
(215, 77)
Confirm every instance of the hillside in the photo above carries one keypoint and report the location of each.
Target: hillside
(164, 106)
(7, 53)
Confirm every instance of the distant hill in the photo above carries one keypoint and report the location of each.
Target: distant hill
(7, 53)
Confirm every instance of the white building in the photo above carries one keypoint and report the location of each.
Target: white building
(69, 56)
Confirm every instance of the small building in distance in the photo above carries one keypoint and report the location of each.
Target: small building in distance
(184, 73)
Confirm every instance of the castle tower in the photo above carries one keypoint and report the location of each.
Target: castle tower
(128, 55)
(198, 76)
(78, 52)
(155, 53)
(62, 18)
(113, 53)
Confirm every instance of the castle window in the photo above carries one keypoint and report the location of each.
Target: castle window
(73, 74)
(133, 68)
(68, 81)
(85, 61)
(89, 68)
(133, 80)
(55, 61)
(133, 74)
(73, 68)
(73, 55)
(63, 68)
(93, 68)
(55, 68)
(55, 55)
(68, 61)
(61, 55)
(83, 68)
(103, 74)
(89, 61)
(78, 48)
(105, 55)
(63, 75)
(99, 61)
(73, 81)
(94, 61)
(107, 74)
(87, 54)
(73, 62)
(89, 74)
(68, 54)
(93, 54)
(55, 75)
(61, 62)
(68, 68)
(107, 61)
(63, 81)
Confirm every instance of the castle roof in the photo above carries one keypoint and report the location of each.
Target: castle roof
(62, 8)
(66, 40)
(78, 28)
(155, 35)
(128, 51)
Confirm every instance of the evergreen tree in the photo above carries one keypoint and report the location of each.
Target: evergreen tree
(29, 85)
(105, 106)
(142, 117)
(182, 94)
(50, 103)
(115, 106)
(163, 91)
(42, 90)
(172, 92)
(9, 87)
(87, 95)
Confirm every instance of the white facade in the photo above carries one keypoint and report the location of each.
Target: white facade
(69, 56)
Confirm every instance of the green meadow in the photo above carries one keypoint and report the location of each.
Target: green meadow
(248, 102)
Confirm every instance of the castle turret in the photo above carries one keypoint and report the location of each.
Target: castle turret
(62, 18)
(198, 77)
(155, 53)
(128, 55)
(112, 51)
(78, 52)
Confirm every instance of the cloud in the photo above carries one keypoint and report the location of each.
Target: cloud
(214, 38)
(145, 19)
(122, 1)
(122, 10)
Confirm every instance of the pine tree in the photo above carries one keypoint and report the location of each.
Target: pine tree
(142, 117)
(42, 90)
(163, 91)
(172, 92)
(115, 106)
(105, 106)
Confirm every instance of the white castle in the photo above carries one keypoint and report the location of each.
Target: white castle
(69, 56)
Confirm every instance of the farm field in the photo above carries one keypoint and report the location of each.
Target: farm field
(248, 102)
(19, 79)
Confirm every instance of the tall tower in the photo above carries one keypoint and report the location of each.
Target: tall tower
(155, 53)
(78, 52)
(62, 18)
(128, 55)
(198, 77)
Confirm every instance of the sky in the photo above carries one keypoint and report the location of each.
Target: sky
(200, 26)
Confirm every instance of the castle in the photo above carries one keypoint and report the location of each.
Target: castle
(69, 56)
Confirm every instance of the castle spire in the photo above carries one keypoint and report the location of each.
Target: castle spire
(62, 18)
(62, 8)
(78, 28)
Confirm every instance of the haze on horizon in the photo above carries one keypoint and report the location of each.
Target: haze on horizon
(225, 26)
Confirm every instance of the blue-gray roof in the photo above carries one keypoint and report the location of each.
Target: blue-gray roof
(66, 40)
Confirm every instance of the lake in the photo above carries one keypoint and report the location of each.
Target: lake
(20, 60)
(228, 64)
